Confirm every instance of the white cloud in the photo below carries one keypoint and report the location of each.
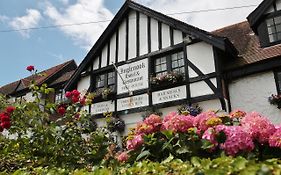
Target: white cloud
(31, 19)
(82, 11)
(205, 20)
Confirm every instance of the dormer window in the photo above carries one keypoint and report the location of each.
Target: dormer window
(274, 29)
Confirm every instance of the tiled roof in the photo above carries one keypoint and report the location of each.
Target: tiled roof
(247, 44)
(40, 79)
(66, 76)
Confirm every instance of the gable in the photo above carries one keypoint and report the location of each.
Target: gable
(136, 31)
(266, 8)
(137, 35)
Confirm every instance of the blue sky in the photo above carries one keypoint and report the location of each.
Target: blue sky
(45, 48)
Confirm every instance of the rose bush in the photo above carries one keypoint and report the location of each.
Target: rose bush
(41, 133)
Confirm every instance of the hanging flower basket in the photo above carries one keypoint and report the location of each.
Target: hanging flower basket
(275, 100)
(115, 124)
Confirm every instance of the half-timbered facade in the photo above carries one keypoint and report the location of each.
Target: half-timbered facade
(140, 45)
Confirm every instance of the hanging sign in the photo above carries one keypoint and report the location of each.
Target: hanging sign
(102, 107)
(134, 76)
(132, 102)
(167, 95)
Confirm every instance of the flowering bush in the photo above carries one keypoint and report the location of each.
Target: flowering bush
(236, 139)
(206, 135)
(5, 120)
(259, 127)
(33, 138)
(170, 77)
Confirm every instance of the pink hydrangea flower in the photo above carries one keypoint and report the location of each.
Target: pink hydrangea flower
(259, 127)
(237, 139)
(210, 135)
(154, 120)
(136, 142)
(177, 123)
(201, 120)
(169, 116)
(275, 139)
(143, 128)
(123, 157)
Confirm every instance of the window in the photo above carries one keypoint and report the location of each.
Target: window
(60, 96)
(274, 28)
(106, 80)
(178, 63)
(170, 63)
(161, 66)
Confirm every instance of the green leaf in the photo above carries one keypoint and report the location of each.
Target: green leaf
(169, 159)
(239, 163)
(168, 133)
(206, 144)
(183, 150)
(143, 154)
(195, 161)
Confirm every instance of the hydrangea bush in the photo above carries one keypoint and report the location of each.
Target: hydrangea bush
(208, 134)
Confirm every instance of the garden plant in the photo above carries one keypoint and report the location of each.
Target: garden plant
(41, 137)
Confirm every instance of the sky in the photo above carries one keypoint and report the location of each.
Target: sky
(48, 46)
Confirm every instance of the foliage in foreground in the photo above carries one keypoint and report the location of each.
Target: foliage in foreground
(196, 166)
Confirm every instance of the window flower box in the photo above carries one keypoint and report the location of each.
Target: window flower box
(171, 77)
(104, 93)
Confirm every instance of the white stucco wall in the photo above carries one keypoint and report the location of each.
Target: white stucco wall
(28, 97)
(83, 84)
(210, 105)
(251, 93)
(201, 54)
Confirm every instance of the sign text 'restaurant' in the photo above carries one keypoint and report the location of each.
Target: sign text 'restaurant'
(135, 76)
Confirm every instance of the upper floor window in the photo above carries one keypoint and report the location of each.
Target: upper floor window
(274, 29)
(106, 80)
(169, 63)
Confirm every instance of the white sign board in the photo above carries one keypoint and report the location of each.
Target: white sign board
(134, 75)
(132, 102)
(172, 94)
(102, 107)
